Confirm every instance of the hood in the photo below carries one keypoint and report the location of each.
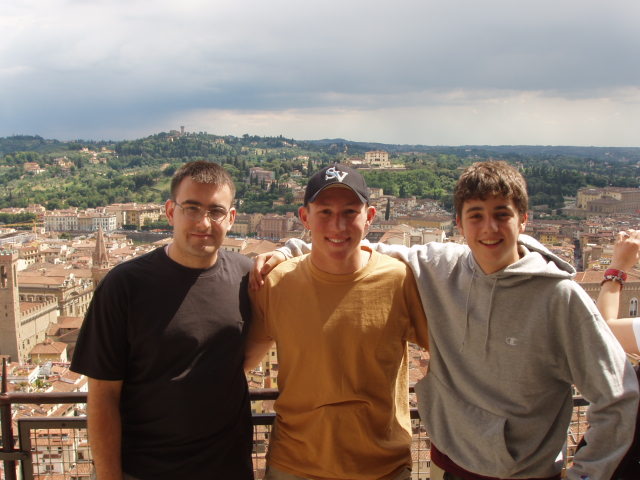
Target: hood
(541, 263)
(536, 261)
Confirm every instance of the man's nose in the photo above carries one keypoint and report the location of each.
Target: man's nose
(340, 222)
(492, 224)
(206, 220)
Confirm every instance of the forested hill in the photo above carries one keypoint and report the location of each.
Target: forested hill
(537, 151)
(89, 174)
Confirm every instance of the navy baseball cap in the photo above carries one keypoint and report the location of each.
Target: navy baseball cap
(338, 175)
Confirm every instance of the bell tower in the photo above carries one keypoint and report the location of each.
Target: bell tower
(10, 341)
(100, 259)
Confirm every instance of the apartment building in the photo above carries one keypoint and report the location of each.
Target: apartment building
(92, 222)
(73, 221)
(61, 220)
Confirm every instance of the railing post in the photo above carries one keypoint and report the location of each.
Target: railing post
(7, 426)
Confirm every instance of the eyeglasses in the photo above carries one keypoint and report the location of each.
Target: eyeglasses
(197, 213)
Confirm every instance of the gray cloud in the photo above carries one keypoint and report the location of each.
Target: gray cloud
(89, 69)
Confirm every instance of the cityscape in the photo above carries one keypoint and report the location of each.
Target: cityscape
(105, 101)
(51, 259)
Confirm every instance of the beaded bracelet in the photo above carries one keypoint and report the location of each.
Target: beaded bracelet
(611, 274)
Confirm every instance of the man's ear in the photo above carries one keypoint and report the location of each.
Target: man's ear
(523, 222)
(169, 209)
(232, 218)
(371, 214)
(303, 214)
(459, 225)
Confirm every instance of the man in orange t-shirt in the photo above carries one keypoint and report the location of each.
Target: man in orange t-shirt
(341, 318)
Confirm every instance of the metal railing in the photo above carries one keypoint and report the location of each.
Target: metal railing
(57, 447)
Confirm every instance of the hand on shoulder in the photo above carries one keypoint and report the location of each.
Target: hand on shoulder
(262, 265)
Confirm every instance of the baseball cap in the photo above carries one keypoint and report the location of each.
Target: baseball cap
(339, 175)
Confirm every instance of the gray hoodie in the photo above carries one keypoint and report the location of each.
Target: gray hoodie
(505, 350)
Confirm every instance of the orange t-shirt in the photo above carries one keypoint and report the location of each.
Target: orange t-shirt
(343, 408)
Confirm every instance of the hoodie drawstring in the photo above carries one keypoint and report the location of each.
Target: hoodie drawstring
(488, 326)
(466, 308)
(487, 330)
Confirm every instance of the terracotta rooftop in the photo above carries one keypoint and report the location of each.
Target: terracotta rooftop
(70, 322)
(48, 347)
(256, 247)
(63, 387)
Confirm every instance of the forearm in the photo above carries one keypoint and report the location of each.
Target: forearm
(255, 352)
(105, 432)
(608, 305)
(625, 256)
(623, 329)
(609, 300)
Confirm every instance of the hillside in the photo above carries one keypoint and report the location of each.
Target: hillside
(91, 174)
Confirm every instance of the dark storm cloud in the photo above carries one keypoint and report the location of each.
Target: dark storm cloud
(87, 69)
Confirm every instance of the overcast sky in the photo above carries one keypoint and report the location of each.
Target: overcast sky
(432, 72)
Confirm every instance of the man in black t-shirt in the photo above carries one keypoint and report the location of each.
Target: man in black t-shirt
(162, 345)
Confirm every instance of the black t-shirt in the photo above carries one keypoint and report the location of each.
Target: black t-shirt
(175, 336)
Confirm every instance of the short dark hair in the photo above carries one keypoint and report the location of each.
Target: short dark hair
(202, 172)
(485, 179)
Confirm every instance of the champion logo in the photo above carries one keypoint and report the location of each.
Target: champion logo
(333, 173)
(513, 341)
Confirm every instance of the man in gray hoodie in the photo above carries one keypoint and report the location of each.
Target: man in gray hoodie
(510, 333)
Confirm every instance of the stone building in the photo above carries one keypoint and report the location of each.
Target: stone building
(260, 175)
(275, 227)
(609, 200)
(377, 158)
(135, 214)
(49, 351)
(246, 224)
(23, 323)
(72, 289)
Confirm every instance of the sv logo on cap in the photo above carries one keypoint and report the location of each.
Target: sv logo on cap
(333, 173)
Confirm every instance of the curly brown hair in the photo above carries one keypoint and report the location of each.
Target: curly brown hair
(485, 179)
